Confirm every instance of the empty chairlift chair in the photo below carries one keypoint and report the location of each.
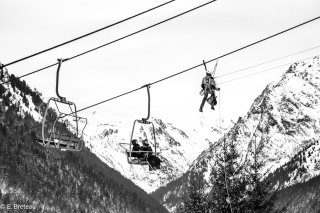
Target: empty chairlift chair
(60, 118)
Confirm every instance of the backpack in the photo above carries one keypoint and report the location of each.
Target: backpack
(212, 100)
(208, 82)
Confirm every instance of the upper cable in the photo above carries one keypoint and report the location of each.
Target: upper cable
(85, 35)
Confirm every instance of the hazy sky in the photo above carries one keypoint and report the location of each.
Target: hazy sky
(223, 26)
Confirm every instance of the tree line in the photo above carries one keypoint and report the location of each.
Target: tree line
(232, 187)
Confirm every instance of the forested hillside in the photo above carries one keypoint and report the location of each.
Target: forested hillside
(51, 180)
(301, 197)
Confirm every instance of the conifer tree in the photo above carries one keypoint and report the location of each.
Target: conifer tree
(261, 197)
(228, 183)
(196, 201)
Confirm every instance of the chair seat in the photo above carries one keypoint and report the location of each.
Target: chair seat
(64, 142)
(69, 139)
(137, 160)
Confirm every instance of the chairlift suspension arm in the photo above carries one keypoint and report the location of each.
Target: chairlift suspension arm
(148, 90)
(57, 79)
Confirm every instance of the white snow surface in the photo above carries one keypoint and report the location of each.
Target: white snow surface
(285, 119)
(178, 147)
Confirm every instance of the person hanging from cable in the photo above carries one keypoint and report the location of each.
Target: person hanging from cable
(154, 161)
(208, 86)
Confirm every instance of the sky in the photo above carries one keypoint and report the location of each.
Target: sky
(209, 32)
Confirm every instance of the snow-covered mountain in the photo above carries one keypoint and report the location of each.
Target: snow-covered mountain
(51, 180)
(178, 147)
(284, 120)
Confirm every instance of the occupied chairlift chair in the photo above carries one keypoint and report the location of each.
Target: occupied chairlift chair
(144, 121)
(50, 135)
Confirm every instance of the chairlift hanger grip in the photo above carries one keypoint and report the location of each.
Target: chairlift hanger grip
(60, 60)
(144, 120)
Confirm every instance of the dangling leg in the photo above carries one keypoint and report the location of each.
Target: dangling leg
(205, 96)
(157, 162)
(214, 101)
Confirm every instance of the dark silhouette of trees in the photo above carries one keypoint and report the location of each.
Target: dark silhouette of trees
(196, 201)
(52, 179)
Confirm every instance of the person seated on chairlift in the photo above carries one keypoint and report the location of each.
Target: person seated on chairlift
(135, 151)
(154, 161)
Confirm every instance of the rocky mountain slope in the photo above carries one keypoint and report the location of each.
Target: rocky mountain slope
(284, 120)
(178, 146)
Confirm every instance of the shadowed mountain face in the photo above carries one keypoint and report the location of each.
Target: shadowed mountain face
(49, 180)
(284, 121)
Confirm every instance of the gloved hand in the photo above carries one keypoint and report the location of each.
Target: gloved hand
(218, 89)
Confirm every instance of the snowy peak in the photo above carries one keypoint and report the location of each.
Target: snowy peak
(284, 121)
(178, 146)
(289, 110)
(285, 117)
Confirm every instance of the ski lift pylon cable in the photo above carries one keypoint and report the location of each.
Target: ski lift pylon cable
(224, 55)
(119, 39)
(85, 35)
(259, 72)
(269, 61)
(237, 50)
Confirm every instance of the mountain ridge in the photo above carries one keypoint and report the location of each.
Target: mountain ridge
(284, 119)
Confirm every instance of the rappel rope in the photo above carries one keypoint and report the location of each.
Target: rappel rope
(224, 157)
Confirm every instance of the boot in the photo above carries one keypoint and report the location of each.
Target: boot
(212, 107)
(200, 110)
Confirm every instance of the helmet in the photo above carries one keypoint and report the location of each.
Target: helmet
(134, 141)
(145, 141)
(209, 74)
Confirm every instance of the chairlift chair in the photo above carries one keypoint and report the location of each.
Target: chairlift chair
(53, 133)
(128, 146)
